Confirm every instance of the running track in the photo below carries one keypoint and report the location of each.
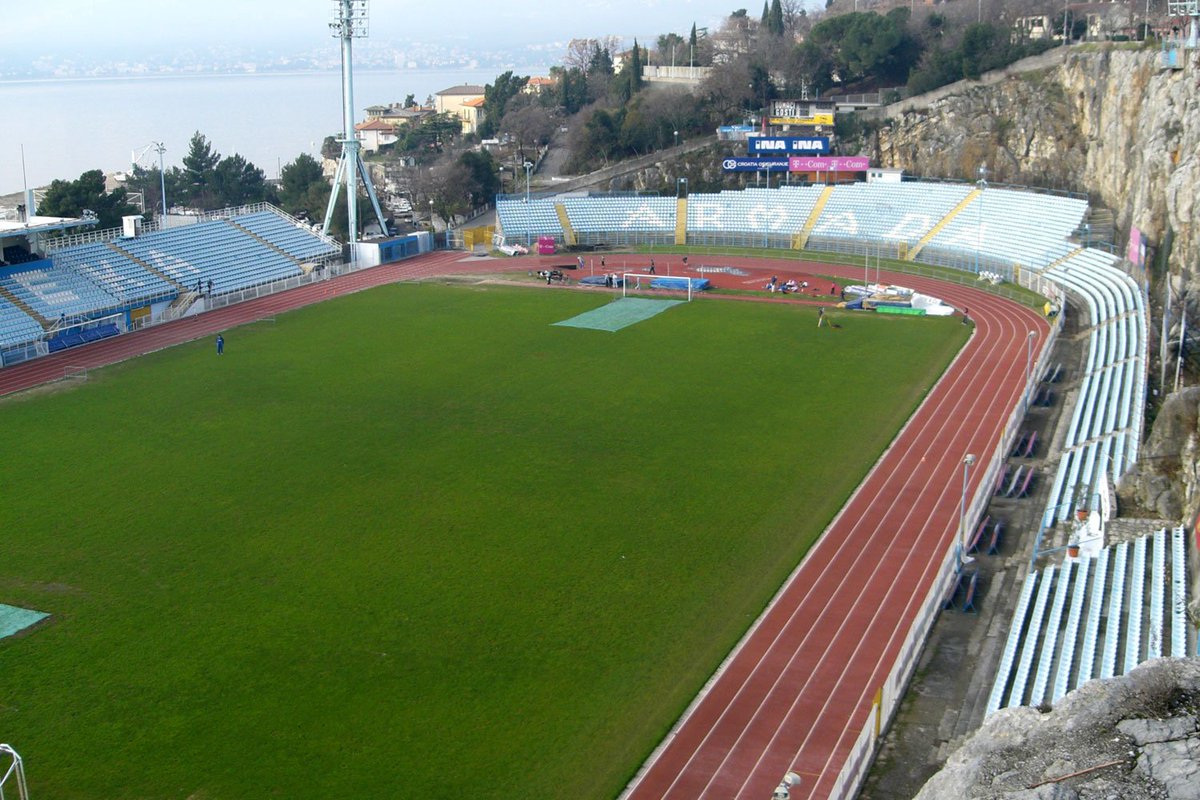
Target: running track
(798, 690)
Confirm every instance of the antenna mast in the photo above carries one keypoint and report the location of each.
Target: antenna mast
(349, 23)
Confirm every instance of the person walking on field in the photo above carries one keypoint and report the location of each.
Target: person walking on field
(820, 316)
(220, 345)
(652, 272)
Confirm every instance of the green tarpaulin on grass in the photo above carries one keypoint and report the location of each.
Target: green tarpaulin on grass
(14, 620)
(619, 314)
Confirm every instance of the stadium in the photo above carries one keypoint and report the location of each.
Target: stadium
(260, 264)
(620, 519)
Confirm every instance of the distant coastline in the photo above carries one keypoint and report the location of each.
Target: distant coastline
(269, 117)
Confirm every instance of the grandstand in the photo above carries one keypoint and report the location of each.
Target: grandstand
(956, 225)
(1089, 618)
(1106, 422)
(58, 301)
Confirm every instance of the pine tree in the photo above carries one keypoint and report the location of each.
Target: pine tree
(764, 22)
(775, 18)
(635, 68)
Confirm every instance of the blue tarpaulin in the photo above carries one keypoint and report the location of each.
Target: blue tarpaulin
(680, 284)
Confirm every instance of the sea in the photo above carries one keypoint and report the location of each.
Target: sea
(67, 127)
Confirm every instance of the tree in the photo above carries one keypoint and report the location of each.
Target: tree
(484, 179)
(672, 49)
(529, 126)
(448, 187)
(496, 97)
(73, 198)
(775, 19)
(331, 148)
(237, 182)
(199, 164)
(410, 100)
(303, 189)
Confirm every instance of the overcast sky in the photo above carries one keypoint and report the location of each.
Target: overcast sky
(299, 25)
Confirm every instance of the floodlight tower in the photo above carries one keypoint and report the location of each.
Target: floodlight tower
(349, 23)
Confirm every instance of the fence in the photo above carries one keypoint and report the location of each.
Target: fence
(854, 769)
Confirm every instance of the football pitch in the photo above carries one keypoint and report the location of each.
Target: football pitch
(419, 541)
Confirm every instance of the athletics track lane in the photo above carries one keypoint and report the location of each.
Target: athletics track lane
(798, 690)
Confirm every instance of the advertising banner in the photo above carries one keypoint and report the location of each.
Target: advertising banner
(828, 163)
(815, 119)
(755, 164)
(1137, 248)
(788, 145)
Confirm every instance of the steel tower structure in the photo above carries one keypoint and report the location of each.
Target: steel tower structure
(350, 23)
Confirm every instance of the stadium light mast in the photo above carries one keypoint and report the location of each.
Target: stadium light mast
(964, 559)
(350, 23)
(160, 148)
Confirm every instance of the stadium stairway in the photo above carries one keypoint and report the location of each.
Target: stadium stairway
(681, 221)
(143, 264)
(21, 304)
(303, 267)
(1060, 261)
(943, 222)
(1093, 617)
(801, 240)
(568, 230)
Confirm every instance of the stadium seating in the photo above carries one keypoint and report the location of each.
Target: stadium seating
(16, 327)
(210, 251)
(527, 221)
(1006, 226)
(781, 211)
(288, 235)
(1105, 597)
(1105, 424)
(121, 277)
(52, 291)
(903, 212)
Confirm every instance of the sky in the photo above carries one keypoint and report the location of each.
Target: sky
(138, 25)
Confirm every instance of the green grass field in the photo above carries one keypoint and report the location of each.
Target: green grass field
(417, 542)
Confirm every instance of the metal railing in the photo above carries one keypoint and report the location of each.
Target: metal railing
(857, 763)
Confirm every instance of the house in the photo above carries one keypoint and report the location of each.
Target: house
(537, 84)
(374, 134)
(1037, 26)
(396, 114)
(464, 101)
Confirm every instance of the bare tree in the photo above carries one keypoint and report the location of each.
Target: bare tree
(447, 186)
(580, 52)
(528, 126)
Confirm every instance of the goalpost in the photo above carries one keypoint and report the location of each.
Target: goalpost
(637, 276)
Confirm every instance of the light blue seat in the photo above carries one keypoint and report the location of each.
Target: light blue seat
(53, 292)
(122, 277)
(16, 327)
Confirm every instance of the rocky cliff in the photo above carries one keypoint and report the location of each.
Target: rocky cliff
(1103, 121)
(1133, 737)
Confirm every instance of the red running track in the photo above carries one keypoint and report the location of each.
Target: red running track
(798, 690)
(119, 348)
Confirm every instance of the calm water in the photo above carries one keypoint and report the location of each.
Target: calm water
(70, 126)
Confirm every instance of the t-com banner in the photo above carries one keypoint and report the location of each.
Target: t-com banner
(828, 164)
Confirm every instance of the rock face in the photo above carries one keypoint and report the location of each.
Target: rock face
(1166, 479)
(1106, 122)
(1132, 737)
